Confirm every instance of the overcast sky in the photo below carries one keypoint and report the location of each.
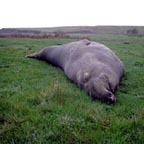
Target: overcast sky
(51, 13)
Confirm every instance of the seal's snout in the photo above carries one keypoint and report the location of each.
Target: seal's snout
(111, 98)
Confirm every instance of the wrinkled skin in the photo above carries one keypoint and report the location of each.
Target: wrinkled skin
(100, 89)
(92, 66)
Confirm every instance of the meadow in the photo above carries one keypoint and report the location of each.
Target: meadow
(39, 105)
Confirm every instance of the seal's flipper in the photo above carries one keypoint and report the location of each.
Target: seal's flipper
(33, 55)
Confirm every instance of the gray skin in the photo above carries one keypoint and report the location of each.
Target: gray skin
(92, 66)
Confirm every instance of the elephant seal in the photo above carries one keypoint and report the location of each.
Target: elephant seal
(91, 65)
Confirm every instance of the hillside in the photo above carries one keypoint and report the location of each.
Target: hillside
(69, 30)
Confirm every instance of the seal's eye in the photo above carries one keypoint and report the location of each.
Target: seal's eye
(109, 95)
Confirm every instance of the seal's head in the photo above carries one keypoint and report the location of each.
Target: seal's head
(99, 89)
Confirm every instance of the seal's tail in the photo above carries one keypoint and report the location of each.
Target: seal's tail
(33, 55)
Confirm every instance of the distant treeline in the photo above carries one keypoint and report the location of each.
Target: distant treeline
(43, 36)
(67, 32)
(18, 33)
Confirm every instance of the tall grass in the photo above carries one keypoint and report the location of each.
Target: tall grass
(38, 104)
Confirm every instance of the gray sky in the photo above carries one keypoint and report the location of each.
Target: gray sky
(51, 13)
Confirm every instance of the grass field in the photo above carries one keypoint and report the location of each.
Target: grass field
(39, 105)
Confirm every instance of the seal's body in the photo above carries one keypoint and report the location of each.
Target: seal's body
(90, 65)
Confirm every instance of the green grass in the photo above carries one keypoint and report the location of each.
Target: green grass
(38, 104)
